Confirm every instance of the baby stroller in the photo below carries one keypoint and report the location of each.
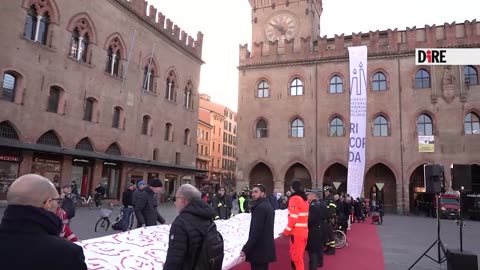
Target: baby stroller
(376, 218)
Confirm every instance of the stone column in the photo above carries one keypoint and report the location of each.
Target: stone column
(97, 173)
(66, 173)
(26, 164)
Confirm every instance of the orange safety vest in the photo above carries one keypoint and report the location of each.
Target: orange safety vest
(297, 217)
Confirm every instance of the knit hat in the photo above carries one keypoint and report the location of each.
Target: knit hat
(140, 183)
(156, 183)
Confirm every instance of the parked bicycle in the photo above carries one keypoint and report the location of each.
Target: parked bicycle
(104, 222)
(82, 201)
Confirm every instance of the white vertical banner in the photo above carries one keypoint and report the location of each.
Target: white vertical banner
(358, 119)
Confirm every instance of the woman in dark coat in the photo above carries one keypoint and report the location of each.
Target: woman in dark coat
(317, 236)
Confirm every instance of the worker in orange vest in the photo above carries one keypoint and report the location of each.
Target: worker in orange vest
(297, 227)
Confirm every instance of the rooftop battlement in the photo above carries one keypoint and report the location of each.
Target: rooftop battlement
(452, 35)
(165, 26)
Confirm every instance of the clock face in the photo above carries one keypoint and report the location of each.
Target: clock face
(280, 27)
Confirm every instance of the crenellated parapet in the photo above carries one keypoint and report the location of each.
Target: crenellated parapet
(386, 42)
(166, 26)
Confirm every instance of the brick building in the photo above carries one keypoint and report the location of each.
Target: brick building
(97, 93)
(204, 144)
(223, 143)
(294, 104)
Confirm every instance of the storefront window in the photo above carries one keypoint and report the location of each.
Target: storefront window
(8, 172)
(47, 166)
(111, 179)
(81, 176)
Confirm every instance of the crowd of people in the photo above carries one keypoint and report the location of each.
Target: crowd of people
(38, 217)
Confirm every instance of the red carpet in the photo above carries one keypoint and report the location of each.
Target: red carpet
(364, 252)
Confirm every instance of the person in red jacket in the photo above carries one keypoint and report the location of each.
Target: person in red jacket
(297, 227)
(66, 231)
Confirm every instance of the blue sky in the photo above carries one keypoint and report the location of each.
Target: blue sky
(226, 24)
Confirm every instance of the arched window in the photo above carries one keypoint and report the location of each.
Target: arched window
(7, 131)
(186, 137)
(263, 89)
(297, 128)
(422, 79)
(171, 83)
(43, 24)
(261, 129)
(9, 86)
(148, 78)
(31, 23)
(471, 75)
(336, 85)
(168, 131)
(82, 32)
(54, 99)
(145, 124)
(296, 87)
(188, 96)
(337, 128)
(379, 82)
(88, 110)
(114, 54)
(471, 123)
(424, 125)
(380, 126)
(117, 114)
(84, 144)
(113, 149)
(49, 138)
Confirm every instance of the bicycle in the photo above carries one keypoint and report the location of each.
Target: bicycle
(104, 221)
(90, 202)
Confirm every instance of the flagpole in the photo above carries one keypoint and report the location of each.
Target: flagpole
(128, 60)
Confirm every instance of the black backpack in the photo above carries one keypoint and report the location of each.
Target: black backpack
(210, 253)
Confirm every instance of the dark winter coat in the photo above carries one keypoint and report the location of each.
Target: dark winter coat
(318, 216)
(135, 195)
(127, 197)
(185, 238)
(69, 206)
(146, 209)
(220, 206)
(29, 239)
(260, 247)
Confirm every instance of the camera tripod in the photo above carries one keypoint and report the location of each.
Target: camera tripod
(441, 253)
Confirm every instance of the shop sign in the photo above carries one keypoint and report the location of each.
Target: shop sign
(9, 158)
(171, 176)
(41, 160)
(81, 160)
(109, 163)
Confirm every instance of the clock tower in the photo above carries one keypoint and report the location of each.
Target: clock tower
(280, 20)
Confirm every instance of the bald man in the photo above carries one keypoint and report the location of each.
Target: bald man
(29, 232)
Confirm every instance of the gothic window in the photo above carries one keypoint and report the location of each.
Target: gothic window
(296, 87)
(80, 40)
(379, 82)
(336, 85)
(113, 149)
(186, 137)
(424, 125)
(336, 127)
(84, 144)
(114, 54)
(49, 138)
(262, 129)
(422, 79)
(168, 131)
(171, 83)
(7, 131)
(471, 123)
(263, 89)
(54, 99)
(188, 97)
(145, 124)
(380, 126)
(9, 86)
(148, 79)
(38, 21)
(471, 75)
(297, 128)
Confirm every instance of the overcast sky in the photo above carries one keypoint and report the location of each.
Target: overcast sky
(226, 24)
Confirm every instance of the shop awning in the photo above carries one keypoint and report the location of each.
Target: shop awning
(88, 154)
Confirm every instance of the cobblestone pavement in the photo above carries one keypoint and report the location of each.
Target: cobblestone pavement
(404, 238)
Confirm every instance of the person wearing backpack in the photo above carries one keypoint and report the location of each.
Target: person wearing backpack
(194, 242)
(68, 205)
(260, 247)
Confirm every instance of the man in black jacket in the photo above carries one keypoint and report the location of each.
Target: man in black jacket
(260, 247)
(185, 237)
(221, 205)
(146, 205)
(29, 232)
(317, 229)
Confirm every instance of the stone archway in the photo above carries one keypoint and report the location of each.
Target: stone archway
(336, 173)
(419, 200)
(297, 172)
(381, 173)
(261, 174)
